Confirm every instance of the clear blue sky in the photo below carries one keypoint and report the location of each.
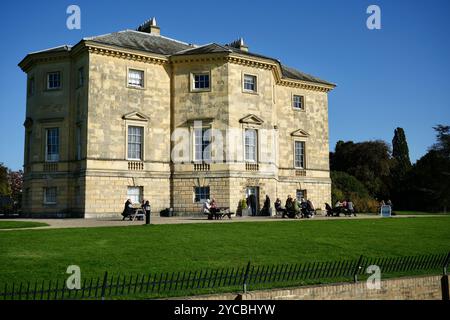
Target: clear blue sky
(396, 76)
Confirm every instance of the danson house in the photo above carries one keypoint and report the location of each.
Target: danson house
(105, 120)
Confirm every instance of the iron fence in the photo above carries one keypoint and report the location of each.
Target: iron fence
(171, 283)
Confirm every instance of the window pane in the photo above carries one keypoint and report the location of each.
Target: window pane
(201, 194)
(249, 82)
(53, 80)
(298, 102)
(201, 81)
(136, 78)
(135, 142)
(299, 154)
(250, 145)
(201, 142)
(300, 194)
(52, 146)
(50, 195)
(135, 194)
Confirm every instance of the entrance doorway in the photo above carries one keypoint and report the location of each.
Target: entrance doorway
(253, 194)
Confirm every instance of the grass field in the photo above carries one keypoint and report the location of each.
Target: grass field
(28, 255)
(20, 224)
(420, 213)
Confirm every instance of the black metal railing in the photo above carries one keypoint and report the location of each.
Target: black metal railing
(245, 277)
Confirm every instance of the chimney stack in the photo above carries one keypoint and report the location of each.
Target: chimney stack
(150, 26)
(239, 44)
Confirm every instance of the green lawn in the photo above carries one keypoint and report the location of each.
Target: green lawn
(420, 213)
(20, 224)
(28, 255)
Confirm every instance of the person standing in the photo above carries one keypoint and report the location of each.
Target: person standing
(252, 200)
(147, 210)
(266, 208)
(350, 207)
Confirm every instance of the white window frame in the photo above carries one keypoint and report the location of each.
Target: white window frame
(207, 195)
(302, 102)
(56, 156)
(133, 192)
(295, 154)
(194, 143)
(255, 145)
(142, 142)
(132, 85)
(48, 80)
(200, 73)
(46, 198)
(255, 77)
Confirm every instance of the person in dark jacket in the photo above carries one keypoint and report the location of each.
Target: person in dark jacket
(266, 208)
(290, 206)
(252, 200)
(128, 209)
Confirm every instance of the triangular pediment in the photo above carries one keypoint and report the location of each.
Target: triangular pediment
(252, 119)
(135, 116)
(300, 133)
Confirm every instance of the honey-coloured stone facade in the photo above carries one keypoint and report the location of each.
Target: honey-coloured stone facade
(93, 173)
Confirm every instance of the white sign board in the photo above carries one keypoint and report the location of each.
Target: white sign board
(385, 211)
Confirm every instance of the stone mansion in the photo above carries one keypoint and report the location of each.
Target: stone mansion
(134, 114)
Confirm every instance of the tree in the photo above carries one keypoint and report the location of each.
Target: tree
(400, 152)
(15, 181)
(369, 162)
(4, 185)
(443, 140)
(347, 187)
(401, 165)
(428, 182)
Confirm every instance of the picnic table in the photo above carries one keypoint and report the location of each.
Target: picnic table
(222, 212)
(138, 214)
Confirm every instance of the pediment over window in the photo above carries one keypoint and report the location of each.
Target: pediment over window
(252, 119)
(198, 121)
(135, 116)
(300, 133)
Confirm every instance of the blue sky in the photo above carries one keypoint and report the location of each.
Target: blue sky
(398, 76)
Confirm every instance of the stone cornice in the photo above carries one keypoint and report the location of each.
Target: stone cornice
(141, 56)
(42, 57)
(115, 52)
(278, 75)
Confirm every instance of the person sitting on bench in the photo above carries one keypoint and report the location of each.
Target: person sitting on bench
(279, 208)
(290, 210)
(215, 211)
(206, 209)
